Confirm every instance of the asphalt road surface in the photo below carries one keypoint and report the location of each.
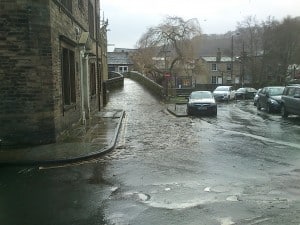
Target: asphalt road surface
(241, 167)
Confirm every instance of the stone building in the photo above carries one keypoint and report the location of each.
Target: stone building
(51, 68)
(220, 70)
(120, 60)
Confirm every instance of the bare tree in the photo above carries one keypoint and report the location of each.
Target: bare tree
(250, 45)
(281, 48)
(170, 41)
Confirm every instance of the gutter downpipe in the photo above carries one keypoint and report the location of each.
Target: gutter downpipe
(82, 52)
(87, 87)
(97, 57)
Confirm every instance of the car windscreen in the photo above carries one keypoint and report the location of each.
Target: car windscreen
(276, 91)
(242, 90)
(199, 95)
(222, 88)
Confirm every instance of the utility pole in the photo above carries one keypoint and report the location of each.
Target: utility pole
(231, 72)
(243, 61)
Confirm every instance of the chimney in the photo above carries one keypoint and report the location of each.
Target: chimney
(218, 59)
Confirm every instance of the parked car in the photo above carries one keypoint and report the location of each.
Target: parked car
(255, 99)
(224, 93)
(245, 93)
(290, 101)
(270, 99)
(201, 103)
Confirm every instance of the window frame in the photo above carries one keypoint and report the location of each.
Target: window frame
(214, 67)
(68, 74)
(91, 19)
(123, 69)
(216, 79)
(228, 67)
(93, 80)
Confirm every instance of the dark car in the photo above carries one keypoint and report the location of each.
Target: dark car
(201, 103)
(290, 101)
(270, 98)
(255, 99)
(245, 93)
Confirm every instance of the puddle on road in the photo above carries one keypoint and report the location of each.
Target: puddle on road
(182, 197)
(226, 221)
(233, 198)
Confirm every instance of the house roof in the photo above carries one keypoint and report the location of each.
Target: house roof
(118, 58)
(214, 59)
(124, 50)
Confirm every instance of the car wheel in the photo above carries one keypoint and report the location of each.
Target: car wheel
(216, 112)
(284, 113)
(269, 110)
(188, 111)
(258, 106)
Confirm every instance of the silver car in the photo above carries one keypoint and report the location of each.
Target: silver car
(201, 103)
(224, 93)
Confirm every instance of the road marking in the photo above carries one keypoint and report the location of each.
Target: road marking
(294, 145)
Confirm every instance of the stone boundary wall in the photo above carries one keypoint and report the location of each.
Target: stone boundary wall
(116, 80)
(153, 87)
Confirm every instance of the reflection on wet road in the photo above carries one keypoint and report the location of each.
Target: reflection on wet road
(238, 160)
(241, 167)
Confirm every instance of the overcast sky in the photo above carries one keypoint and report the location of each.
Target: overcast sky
(128, 20)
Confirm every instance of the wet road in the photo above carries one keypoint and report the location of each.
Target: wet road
(242, 167)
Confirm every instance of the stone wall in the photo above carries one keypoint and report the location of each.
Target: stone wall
(153, 87)
(31, 102)
(62, 25)
(26, 84)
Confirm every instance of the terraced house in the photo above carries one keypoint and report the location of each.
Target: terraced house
(52, 66)
(221, 70)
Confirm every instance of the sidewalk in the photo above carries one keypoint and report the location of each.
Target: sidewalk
(177, 109)
(80, 143)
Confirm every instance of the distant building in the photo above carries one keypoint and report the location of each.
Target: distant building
(120, 60)
(50, 68)
(219, 70)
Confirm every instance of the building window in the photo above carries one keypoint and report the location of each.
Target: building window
(216, 80)
(186, 82)
(214, 67)
(93, 79)
(228, 67)
(123, 69)
(213, 79)
(67, 4)
(68, 74)
(91, 20)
